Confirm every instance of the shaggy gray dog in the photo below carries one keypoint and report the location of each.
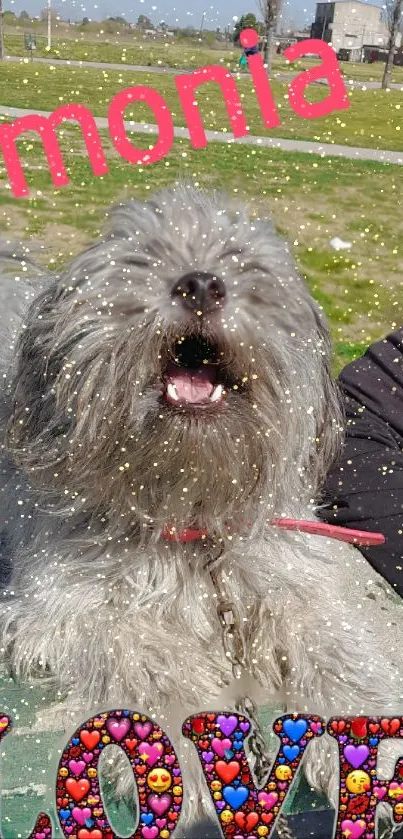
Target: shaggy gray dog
(177, 374)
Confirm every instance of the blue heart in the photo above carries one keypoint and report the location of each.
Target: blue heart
(238, 735)
(126, 713)
(235, 797)
(75, 741)
(89, 822)
(291, 752)
(147, 818)
(228, 754)
(64, 814)
(237, 746)
(373, 741)
(281, 760)
(295, 729)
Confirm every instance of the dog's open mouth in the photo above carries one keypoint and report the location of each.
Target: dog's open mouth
(196, 376)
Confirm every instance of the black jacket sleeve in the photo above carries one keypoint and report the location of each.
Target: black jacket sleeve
(365, 487)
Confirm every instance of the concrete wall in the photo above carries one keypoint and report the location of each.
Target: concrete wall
(351, 25)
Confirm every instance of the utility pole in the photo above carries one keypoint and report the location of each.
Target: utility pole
(202, 23)
(49, 19)
(1, 32)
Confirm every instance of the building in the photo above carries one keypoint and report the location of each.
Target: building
(355, 29)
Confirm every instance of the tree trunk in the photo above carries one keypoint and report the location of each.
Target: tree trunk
(49, 22)
(394, 29)
(1, 32)
(270, 35)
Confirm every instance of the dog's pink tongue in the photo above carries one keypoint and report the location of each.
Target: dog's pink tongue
(193, 385)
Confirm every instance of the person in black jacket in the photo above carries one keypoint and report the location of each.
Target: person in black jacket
(364, 489)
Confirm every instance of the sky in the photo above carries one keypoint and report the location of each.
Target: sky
(179, 12)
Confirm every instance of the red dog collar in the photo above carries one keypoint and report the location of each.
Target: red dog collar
(316, 528)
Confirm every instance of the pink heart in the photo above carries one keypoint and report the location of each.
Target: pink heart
(267, 799)
(77, 766)
(118, 728)
(68, 828)
(282, 785)
(143, 729)
(40, 835)
(150, 753)
(81, 814)
(355, 829)
(380, 792)
(220, 746)
(169, 759)
(87, 756)
(149, 832)
(316, 726)
(160, 822)
(159, 803)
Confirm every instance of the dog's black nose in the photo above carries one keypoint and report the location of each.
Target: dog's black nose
(200, 291)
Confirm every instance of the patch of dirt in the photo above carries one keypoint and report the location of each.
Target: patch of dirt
(62, 241)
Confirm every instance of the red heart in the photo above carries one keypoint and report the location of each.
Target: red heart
(227, 771)
(267, 817)
(204, 744)
(141, 769)
(90, 739)
(173, 817)
(198, 726)
(359, 727)
(211, 717)
(77, 789)
(89, 834)
(373, 727)
(131, 743)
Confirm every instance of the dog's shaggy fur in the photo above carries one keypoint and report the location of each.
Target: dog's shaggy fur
(96, 462)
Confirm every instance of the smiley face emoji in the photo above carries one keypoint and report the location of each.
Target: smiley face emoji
(216, 786)
(283, 773)
(159, 780)
(358, 782)
(399, 809)
(226, 816)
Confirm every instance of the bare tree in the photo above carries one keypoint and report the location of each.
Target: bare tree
(393, 17)
(270, 10)
(1, 32)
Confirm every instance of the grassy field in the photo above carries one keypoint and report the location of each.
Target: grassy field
(134, 49)
(311, 199)
(374, 118)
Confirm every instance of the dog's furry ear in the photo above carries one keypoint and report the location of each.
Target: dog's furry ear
(34, 420)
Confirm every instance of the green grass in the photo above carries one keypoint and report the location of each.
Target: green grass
(311, 199)
(374, 118)
(131, 48)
